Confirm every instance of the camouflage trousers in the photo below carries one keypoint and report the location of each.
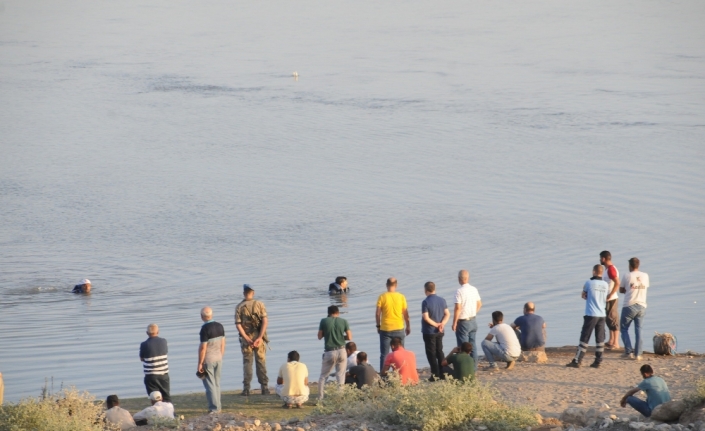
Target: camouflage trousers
(258, 356)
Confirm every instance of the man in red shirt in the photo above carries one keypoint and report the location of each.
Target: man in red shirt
(611, 277)
(403, 361)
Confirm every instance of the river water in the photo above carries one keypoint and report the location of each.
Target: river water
(164, 150)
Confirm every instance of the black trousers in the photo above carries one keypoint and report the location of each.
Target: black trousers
(590, 324)
(158, 382)
(434, 353)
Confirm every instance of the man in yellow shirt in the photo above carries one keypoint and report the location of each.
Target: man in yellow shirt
(391, 316)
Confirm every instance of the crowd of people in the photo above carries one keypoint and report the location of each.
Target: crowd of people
(342, 362)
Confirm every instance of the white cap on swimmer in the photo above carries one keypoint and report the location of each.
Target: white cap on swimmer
(85, 281)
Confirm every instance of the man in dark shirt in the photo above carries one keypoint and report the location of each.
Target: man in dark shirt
(153, 354)
(434, 316)
(531, 329)
(83, 287)
(340, 286)
(210, 357)
(363, 373)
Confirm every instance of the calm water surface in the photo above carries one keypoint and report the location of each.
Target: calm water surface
(164, 150)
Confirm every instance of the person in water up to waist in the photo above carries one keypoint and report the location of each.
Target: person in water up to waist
(83, 287)
(340, 286)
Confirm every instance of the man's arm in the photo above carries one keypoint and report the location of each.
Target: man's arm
(584, 295)
(456, 316)
(612, 273)
(348, 335)
(201, 356)
(222, 347)
(280, 381)
(262, 331)
(320, 334)
(446, 316)
(479, 305)
(489, 337)
(243, 334)
(455, 350)
(405, 312)
(630, 392)
(623, 285)
(378, 317)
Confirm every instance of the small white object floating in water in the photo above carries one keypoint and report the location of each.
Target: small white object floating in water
(295, 74)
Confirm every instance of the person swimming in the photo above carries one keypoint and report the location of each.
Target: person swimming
(83, 287)
(340, 286)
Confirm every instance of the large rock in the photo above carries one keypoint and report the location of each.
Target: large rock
(669, 411)
(574, 415)
(535, 357)
(694, 415)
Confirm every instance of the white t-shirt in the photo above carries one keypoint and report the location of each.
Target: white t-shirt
(507, 339)
(160, 408)
(467, 296)
(294, 374)
(635, 283)
(352, 359)
(119, 416)
(610, 283)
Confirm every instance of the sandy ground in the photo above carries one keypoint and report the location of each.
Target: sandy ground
(553, 387)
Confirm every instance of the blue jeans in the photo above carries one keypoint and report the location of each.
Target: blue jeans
(466, 331)
(385, 337)
(494, 352)
(632, 313)
(639, 405)
(212, 385)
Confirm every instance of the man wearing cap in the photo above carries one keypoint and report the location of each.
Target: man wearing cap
(251, 322)
(83, 287)
(159, 408)
(153, 354)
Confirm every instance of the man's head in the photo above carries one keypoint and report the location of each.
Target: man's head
(597, 270)
(497, 317)
(152, 330)
(361, 358)
(85, 285)
(206, 314)
(112, 401)
(605, 257)
(646, 371)
(333, 310)
(429, 288)
(350, 347)
(292, 356)
(529, 308)
(633, 264)
(463, 277)
(155, 397)
(247, 291)
(391, 284)
(342, 281)
(466, 347)
(395, 343)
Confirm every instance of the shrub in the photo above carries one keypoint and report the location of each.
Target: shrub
(697, 395)
(447, 404)
(67, 410)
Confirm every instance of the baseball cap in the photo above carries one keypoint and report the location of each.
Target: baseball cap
(155, 396)
(85, 281)
(246, 287)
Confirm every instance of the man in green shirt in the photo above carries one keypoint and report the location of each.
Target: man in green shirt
(462, 361)
(335, 331)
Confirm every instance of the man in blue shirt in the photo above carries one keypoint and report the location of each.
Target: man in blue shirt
(656, 392)
(594, 293)
(434, 316)
(532, 329)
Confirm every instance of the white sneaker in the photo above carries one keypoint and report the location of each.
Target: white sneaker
(639, 358)
(628, 355)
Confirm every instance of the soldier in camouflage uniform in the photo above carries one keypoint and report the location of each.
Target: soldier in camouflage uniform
(251, 322)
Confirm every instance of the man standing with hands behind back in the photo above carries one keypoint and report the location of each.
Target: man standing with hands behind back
(391, 315)
(434, 316)
(251, 321)
(467, 305)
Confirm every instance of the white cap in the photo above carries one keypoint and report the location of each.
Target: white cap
(155, 396)
(85, 281)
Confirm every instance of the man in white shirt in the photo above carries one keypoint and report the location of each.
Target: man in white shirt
(116, 415)
(467, 305)
(634, 287)
(158, 408)
(507, 349)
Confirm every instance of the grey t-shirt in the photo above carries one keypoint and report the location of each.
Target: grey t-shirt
(364, 374)
(213, 334)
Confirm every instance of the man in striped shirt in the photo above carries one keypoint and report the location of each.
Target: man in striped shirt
(153, 354)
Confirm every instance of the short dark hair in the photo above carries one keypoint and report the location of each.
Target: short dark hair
(391, 282)
(429, 286)
(333, 309)
(293, 356)
(396, 342)
(361, 357)
(497, 316)
(466, 347)
(339, 279)
(597, 269)
(350, 345)
(634, 262)
(606, 254)
(112, 401)
(646, 369)
(528, 308)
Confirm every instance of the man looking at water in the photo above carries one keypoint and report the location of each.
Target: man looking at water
(251, 321)
(532, 329)
(467, 305)
(611, 277)
(292, 382)
(116, 415)
(363, 373)
(335, 331)
(634, 287)
(507, 348)
(462, 361)
(159, 408)
(210, 357)
(391, 315)
(434, 316)
(594, 293)
(340, 286)
(83, 287)
(153, 354)
(656, 392)
(402, 361)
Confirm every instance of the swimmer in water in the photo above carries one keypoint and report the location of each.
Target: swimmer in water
(340, 286)
(83, 287)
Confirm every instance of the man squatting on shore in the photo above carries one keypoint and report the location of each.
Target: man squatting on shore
(292, 381)
(251, 322)
(210, 357)
(656, 392)
(594, 293)
(153, 354)
(507, 348)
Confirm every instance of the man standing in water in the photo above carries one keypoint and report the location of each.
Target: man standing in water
(391, 315)
(210, 357)
(467, 305)
(611, 276)
(153, 354)
(251, 321)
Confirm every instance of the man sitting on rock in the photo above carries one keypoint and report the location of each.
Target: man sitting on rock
(656, 392)
(531, 329)
(292, 382)
(158, 408)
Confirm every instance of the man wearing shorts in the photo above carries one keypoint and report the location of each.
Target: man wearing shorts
(611, 276)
